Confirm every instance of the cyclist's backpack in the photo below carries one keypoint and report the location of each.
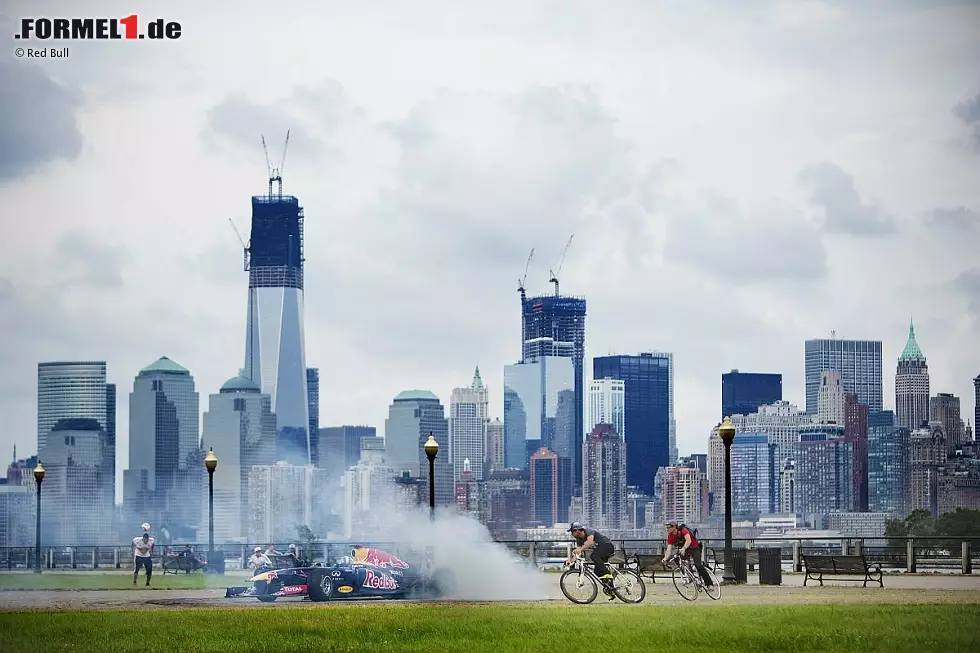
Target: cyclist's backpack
(694, 531)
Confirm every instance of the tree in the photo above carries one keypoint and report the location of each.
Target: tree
(306, 536)
(960, 525)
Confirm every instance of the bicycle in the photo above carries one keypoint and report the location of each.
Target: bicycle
(627, 585)
(685, 575)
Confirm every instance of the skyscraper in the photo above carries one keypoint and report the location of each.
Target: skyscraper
(684, 494)
(754, 490)
(649, 411)
(551, 487)
(77, 508)
(831, 398)
(412, 416)
(165, 463)
(926, 458)
(945, 409)
(340, 447)
(912, 385)
(494, 447)
(856, 432)
(743, 392)
(78, 390)
(468, 409)
(823, 476)
(604, 478)
(313, 401)
(887, 456)
(859, 364)
(554, 325)
(976, 407)
(109, 467)
(275, 348)
(607, 405)
(531, 398)
(72, 389)
(240, 424)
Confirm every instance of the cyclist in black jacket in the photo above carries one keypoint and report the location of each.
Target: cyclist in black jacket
(602, 549)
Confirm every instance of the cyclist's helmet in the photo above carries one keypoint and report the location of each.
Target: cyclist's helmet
(576, 526)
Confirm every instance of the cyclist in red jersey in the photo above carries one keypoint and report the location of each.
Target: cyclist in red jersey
(680, 534)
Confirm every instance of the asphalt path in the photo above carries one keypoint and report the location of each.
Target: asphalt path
(898, 589)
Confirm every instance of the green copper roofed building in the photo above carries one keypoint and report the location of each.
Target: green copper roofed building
(165, 366)
(911, 385)
(912, 351)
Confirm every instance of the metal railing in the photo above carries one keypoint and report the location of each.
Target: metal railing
(920, 554)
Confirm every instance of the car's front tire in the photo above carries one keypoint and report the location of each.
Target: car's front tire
(320, 587)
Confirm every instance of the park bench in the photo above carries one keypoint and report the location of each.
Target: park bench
(817, 566)
(172, 564)
(645, 565)
(648, 566)
(718, 559)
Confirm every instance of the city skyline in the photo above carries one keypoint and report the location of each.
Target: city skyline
(421, 206)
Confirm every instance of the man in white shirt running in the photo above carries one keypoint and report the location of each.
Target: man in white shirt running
(259, 559)
(142, 552)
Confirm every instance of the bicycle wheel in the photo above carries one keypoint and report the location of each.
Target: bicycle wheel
(629, 587)
(714, 591)
(684, 585)
(578, 587)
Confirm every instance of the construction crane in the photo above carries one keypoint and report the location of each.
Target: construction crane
(554, 275)
(523, 280)
(275, 174)
(241, 239)
(520, 289)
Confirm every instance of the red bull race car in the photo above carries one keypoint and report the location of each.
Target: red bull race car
(365, 573)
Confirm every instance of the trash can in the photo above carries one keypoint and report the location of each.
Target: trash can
(770, 566)
(216, 565)
(739, 560)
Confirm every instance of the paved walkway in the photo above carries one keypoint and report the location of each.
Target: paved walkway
(898, 589)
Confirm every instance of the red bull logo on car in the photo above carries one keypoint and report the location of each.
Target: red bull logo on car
(379, 581)
(378, 558)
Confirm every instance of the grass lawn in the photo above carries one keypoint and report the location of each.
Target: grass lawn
(114, 580)
(476, 628)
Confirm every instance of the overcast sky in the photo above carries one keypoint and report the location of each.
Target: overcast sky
(737, 180)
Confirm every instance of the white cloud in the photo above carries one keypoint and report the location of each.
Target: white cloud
(433, 145)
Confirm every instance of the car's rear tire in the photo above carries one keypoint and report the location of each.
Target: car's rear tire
(320, 587)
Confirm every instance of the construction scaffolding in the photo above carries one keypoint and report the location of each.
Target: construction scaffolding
(274, 255)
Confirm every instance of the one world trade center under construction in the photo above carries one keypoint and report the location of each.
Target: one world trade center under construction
(275, 348)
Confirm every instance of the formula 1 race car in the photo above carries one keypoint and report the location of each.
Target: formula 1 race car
(366, 573)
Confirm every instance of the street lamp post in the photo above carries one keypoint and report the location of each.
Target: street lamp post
(211, 462)
(431, 449)
(38, 477)
(727, 433)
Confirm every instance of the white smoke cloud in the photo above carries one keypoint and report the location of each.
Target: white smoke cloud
(480, 569)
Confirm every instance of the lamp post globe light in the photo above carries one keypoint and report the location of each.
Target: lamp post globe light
(211, 462)
(38, 478)
(431, 449)
(727, 434)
